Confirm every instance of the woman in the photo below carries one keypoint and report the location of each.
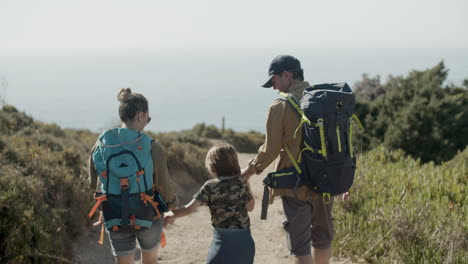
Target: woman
(129, 165)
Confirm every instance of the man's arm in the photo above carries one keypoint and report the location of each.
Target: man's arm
(268, 152)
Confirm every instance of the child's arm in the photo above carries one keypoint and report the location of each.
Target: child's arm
(251, 203)
(186, 210)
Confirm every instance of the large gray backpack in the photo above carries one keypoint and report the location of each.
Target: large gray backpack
(326, 162)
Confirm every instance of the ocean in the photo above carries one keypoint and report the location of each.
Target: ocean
(79, 90)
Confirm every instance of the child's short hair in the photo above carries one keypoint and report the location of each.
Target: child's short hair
(222, 160)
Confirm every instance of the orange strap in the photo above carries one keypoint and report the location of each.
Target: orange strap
(163, 240)
(99, 199)
(101, 238)
(146, 198)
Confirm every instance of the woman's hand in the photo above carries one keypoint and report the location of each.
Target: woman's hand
(169, 219)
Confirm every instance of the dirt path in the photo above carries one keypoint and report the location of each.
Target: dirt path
(189, 239)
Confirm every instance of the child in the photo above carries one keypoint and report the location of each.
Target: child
(229, 198)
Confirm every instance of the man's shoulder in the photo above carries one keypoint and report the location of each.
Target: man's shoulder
(279, 102)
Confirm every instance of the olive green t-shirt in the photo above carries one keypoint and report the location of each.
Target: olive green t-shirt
(226, 197)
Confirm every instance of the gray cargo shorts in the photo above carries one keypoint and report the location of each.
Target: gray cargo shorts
(124, 243)
(307, 223)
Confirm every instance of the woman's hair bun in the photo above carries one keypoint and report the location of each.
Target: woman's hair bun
(125, 95)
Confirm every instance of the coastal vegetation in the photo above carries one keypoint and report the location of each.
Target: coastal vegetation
(408, 205)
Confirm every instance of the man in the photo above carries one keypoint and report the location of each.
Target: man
(308, 219)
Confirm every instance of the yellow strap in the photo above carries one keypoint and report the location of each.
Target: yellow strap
(309, 148)
(358, 121)
(293, 102)
(304, 119)
(326, 197)
(298, 169)
(355, 118)
(322, 137)
(338, 136)
(282, 174)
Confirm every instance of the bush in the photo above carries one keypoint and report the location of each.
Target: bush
(404, 212)
(41, 200)
(247, 142)
(12, 121)
(44, 182)
(414, 113)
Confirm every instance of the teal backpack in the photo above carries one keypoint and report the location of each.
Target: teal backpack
(122, 159)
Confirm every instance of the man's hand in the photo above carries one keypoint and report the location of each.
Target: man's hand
(346, 196)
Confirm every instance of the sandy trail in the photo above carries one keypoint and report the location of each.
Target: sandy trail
(189, 239)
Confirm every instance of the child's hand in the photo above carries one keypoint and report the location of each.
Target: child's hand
(169, 219)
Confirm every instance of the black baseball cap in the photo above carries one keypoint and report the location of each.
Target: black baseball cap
(280, 64)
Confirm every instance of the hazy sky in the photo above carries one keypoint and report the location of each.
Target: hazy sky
(153, 25)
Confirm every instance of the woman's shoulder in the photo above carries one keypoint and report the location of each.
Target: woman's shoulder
(156, 145)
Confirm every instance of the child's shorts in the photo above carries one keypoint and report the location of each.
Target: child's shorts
(124, 243)
(231, 246)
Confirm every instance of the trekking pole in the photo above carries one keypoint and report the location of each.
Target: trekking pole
(265, 202)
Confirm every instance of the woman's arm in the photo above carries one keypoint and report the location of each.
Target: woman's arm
(161, 175)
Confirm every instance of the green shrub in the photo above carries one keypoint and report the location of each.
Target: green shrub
(43, 187)
(44, 191)
(416, 113)
(247, 142)
(12, 121)
(404, 212)
(41, 201)
(185, 151)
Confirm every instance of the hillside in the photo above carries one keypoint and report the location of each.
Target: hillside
(402, 210)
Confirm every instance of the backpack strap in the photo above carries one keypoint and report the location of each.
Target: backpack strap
(293, 160)
(350, 133)
(294, 102)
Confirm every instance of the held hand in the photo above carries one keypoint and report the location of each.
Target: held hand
(169, 219)
(346, 196)
(101, 219)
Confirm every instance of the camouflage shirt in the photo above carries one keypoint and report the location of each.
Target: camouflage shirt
(226, 197)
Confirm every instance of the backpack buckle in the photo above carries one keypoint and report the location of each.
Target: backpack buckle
(124, 183)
